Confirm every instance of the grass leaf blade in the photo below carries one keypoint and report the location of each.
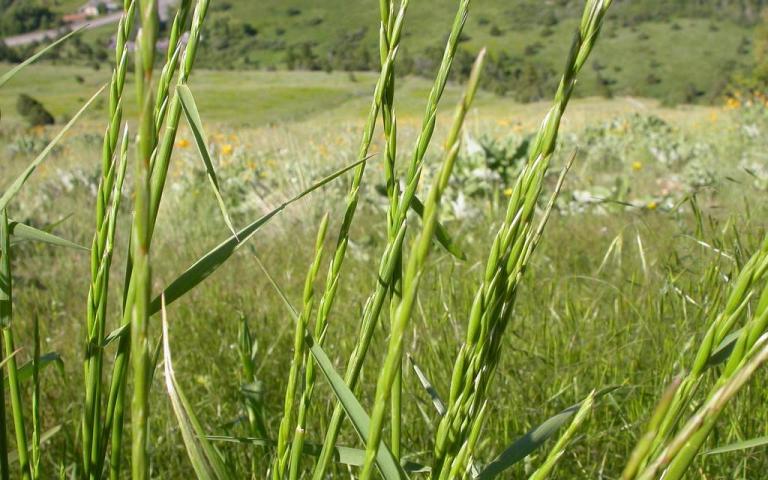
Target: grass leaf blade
(21, 231)
(196, 124)
(533, 439)
(389, 468)
(211, 261)
(743, 445)
(205, 460)
(441, 233)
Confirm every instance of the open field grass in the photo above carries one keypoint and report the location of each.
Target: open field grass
(651, 272)
(280, 97)
(592, 312)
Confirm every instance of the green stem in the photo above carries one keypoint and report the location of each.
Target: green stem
(6, 318)
(16, 406)
(6, 314)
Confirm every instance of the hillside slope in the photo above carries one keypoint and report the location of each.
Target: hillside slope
(682, 51)
(676, 51)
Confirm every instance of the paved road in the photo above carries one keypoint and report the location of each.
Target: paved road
(40, 35)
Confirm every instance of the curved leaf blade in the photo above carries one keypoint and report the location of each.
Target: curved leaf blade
(389, 468)
(201, 140)
(206, 461)
(442, 235)
(211, 261)
(533, 439)
(20, 231)
(743, 445)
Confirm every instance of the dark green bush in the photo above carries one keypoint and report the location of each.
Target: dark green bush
(33, 111)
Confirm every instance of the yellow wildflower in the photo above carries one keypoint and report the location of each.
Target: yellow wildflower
(227, 149)
(732, 103)
(182, 143)
(508, 192)
(651, 205)
(713, 116)
(637, 166)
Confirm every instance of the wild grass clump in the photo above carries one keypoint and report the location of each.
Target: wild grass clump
(305, 437)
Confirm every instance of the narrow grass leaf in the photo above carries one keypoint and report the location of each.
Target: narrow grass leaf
(12, 72)
(280, 292)
(743, 445)
(52, 358)
(20, 232)
(533, 439)
(14, 188)
(723, 351)
(115, 335)
(389, 468)
(211, 261)
(353, 457)
(428, 387)
(206, 461)
(442, 235)
(47, 435)
(193, 118)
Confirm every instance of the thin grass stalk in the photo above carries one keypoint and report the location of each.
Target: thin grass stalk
(282, 458)
(389, 121)
(158, 173)
(6, 317)
(140, 343)
(413, 273)
(494, 301)
(6, 314)
(739, 295)
(736, 362)
(171, 63)
(247, 350)
(36, 419)
(4, 473)
(98, 448)
(95, 345)
(677, 453)
(100, 257)
(644, 444)
(548, 466)
(393, 249)
(334, 270)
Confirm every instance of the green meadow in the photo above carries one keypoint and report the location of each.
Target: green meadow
(307, 274)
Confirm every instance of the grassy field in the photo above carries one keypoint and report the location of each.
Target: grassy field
(287, 97)
(654, 251)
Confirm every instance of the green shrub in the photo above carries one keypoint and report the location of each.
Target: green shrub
(33, 111)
